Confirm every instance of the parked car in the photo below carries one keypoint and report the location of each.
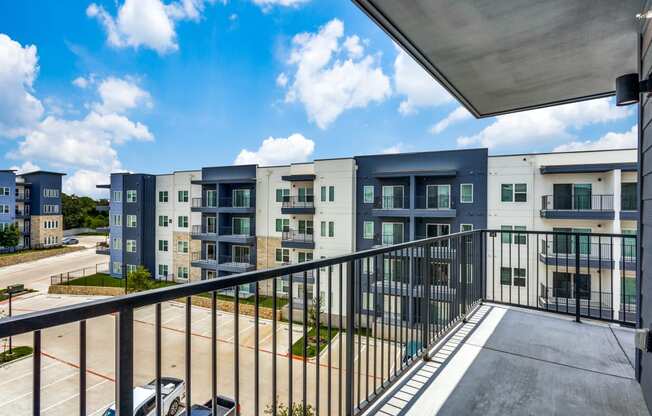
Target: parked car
(173, 391)
(225, 407)
(68, 241)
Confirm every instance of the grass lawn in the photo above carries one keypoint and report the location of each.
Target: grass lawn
(4, 295)
(8, 259)
(105, 280)
(16, 353)
(297, 347)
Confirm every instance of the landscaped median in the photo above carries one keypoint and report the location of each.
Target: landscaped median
(9, 259)
(101, 284)
(16, 353)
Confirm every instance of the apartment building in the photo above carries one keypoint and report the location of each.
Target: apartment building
(583, 192)
(33, 202)
(306, 211)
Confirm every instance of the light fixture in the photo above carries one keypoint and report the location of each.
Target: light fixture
(628, 88)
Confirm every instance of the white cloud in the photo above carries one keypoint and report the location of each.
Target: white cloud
(419, 88)
(147, 23)
(397, 148)
(611, 140)
(267, 5)
(81, 82)
(282, 80)
(19, 109)
(551, 124)
(278, 151)
(27, 166)
(333, 74)
(119, 95)
(85, 181)
(455, 116)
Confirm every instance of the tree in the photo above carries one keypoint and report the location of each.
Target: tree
(80, 211)
(283, 410)
(10, 236)
(316, 308)
(139, 280)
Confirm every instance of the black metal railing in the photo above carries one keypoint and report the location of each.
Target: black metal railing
(196, 256)
(203, 229)
(244, 259)
(295, 202)
(587, 275)
(243, 201)
(236, 231)
(590, 202)
(391, 202)
(78, 274)
(344, 355)
(203, 203)
(433, 202)
(298, 236)
(385, 239)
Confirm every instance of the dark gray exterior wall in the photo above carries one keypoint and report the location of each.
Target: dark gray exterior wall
(40, 181)
(470, 166)
(644, 359)
(145, 211)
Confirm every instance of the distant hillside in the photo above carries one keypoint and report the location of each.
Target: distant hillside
(80, 211)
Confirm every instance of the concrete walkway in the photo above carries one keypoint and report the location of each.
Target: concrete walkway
(509, 361)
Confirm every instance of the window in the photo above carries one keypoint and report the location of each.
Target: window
(162, 245)
(368, 194)
(466, 193)
(505, 276)
(513, 192)
(117, 243)
(305, 195)
(182, 221)
(117, 196)
(163, 270)
(131, 221)
(331, 194)
(305, 227)
(282, 225)
(438, 196)
(519, 276)
(506, 238)
(331, 229)
(629, 243)
(466, 227)
(241, 198)
(131, 246)
(131, 195)
(183, 196)
(304, 256)
(241, 226)
(521, 239)
(368, 230)
(49, 209)
(182, 272)
(322, 231)
(628, 196)
(282, 255)
(323, 194)
(392, 233)
(327, 227)
(117, 267)
(392, 197)
(282, 195)
(116, 219)
(131, 268)
(163, 220)
(211, 198)
(49, 193)
(4, 191)
(182, 246)
(163, 196)
(4, 209)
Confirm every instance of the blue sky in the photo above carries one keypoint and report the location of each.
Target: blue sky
(144, 85)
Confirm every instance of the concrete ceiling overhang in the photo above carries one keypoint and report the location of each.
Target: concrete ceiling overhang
(503, 56)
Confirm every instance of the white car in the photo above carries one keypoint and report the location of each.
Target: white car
(173, 391)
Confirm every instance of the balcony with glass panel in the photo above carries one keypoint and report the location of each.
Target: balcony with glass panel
(207, 203)
(301, 203)
(577, 201)
(239, 260)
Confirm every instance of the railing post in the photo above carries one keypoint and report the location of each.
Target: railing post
(463, 278)
(350, 329)
(426, 285)
(124, 361)
(577, 277)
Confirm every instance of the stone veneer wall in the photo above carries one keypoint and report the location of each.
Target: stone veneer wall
(38, 232)
(266, 259)
(180, 259)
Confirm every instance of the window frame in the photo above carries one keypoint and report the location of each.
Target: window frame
(132, 196)
(462, 201)
(365, 235)
(163, 197)
(365, 200)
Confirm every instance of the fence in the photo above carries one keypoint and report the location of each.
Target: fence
(391, 304)
(66, 277)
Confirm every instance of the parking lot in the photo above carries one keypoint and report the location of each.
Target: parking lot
(60, 374)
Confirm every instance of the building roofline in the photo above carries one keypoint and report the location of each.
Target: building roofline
(474, 149)
(36, 172)
(561, 153)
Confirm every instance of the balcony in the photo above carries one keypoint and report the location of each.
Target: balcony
(628, 208)
(296, 205)
(236, 263)
(238, 235)
(21, 213)
(391, 206)
(297, 239)
(586, 207)
(102, 248)
(381, 240)
(203, 232)
(594, 252)
(477, 345)
(22, 196)
(434, 206)
(237, 205)
(203, 205)
(203, 261)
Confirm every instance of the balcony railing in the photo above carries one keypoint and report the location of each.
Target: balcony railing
(203, 203)
(237, 202)
(296, 202)
(391, 202)
(198, 230)
(298, 236)
(203, 258)
(389, 239)
(436, 202)
(244, 260)
(383, 339)
(577, 202)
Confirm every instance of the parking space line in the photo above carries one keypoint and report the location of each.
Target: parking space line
(60, 402)
(29, 373)
(59, 380)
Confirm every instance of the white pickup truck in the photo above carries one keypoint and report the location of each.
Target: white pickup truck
(173, 391)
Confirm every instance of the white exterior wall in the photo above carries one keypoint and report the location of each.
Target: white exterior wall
(164, 183)
(526, 169)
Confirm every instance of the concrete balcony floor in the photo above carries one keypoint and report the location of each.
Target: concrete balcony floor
(510, 361)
